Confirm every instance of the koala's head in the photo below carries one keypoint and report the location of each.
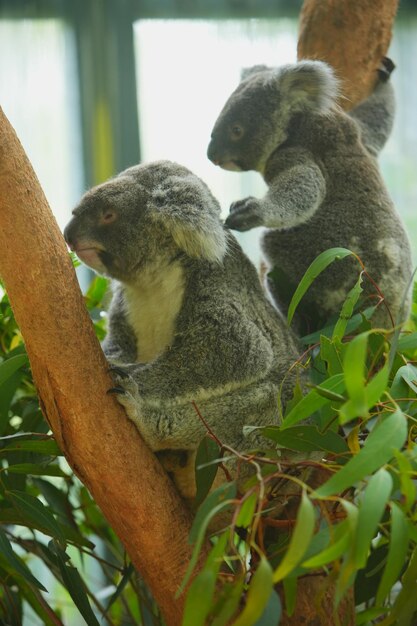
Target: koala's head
(146, 212)
(255, 119)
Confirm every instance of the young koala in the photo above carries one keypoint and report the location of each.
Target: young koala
(325, 189)
(188, 321)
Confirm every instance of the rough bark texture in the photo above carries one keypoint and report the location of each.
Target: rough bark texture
(351, 36)
(100, 443)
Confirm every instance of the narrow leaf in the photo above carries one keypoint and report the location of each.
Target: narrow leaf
(397, 552)
(75, 587)
(315, 269)
(347, 310)
(199, 599)
(11, 365)
(371, 510)
(300, 539)
(207, 451)
(32, 509)
(306, 438)
(14, 564)
(259, 592)
(314, 400)
(389, 434)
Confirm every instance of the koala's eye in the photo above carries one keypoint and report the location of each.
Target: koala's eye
(108, 216)
(236, 131)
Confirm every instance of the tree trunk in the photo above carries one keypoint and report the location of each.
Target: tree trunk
(351, 36)
(102, 446)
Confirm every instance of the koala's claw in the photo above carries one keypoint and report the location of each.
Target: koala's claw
(116, 390)
(386, 68)
(244, 215)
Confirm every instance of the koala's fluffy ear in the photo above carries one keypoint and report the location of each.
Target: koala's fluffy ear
(308, 85)
(186, 207)
(250, 71)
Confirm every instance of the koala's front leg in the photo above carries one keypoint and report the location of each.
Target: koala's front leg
(294, 195)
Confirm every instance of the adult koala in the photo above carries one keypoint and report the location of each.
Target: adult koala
(188, 321)
(325, 189)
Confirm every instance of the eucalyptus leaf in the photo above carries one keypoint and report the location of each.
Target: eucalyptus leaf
(259, 593)
(315, 269)
(11, 365)
(300, 539)
(389, 434)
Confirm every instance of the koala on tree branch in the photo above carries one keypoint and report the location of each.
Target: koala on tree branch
(325, 189)
(188, 319)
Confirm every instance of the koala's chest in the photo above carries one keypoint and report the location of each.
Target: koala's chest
(152, 307)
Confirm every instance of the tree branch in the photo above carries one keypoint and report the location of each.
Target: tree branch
(352, 36)
(70, 372)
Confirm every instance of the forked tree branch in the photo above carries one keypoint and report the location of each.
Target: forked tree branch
(102, 446)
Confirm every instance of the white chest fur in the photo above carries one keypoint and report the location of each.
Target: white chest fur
(153, 303)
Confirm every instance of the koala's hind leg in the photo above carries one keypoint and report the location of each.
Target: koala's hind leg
(375, 115)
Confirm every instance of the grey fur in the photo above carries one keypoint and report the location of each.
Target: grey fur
(325, 189)
(155, 228)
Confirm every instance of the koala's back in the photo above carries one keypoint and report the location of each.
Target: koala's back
(356, 213)
(234, 289)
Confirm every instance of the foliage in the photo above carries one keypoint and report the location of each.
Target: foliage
(335, 492)
(53, 537)
(331, 491)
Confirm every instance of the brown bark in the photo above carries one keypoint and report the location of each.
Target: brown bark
(351, 36)
(70, 371)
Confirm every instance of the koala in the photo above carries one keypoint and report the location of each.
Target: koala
(324, 187)
(188, 321)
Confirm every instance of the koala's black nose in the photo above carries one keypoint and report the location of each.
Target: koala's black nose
(212, 153)
(69, 234)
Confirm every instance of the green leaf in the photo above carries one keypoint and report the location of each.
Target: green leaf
(290, 593)
(354, 323)
(371, 510)
(397, 552)
(407, 342)
(390, 433)
(219, 499)
(207, 451)
(14, 564)
(306, 438)
(300, 539)
(36, 470)
(347, 310)
(199, 599)
(272, 612)
(247, 511)
(32, 509)
(44, 446)
(259, 593)
(314, 400)
(74, 584)
(10, 366)
(405, 604)
(127, 574)
(315, 269)
(330, 354)
(229, 603)
(354, 370)
(339, 545)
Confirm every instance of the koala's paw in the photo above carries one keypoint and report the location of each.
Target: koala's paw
(125, 389)
(245, 214)
(385, 69)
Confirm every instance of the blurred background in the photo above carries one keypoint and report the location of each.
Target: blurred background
(95, 86)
